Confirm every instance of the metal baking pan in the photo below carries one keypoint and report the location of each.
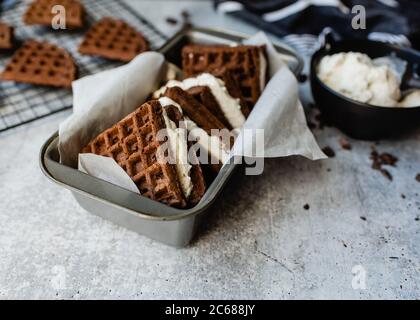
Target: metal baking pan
(175, 227)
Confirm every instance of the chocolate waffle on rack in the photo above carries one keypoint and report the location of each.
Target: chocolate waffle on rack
(41, 63)
(6, 36)
(41, 12)
(113, 39)
(134, 145)
(247, 64)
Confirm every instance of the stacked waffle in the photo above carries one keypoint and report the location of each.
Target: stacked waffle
(169, 144)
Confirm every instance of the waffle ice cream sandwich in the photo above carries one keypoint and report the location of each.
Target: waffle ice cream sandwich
(229, 110)
(113, 39)
(136, 144)
(247, 63)
(40, 12)
(41, 63)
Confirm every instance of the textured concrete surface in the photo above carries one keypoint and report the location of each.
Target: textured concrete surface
(259, 242)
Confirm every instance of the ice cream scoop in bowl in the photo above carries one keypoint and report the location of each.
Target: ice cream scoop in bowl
(366, 100)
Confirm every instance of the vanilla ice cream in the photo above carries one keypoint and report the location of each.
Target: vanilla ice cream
(178, 147)
(229, 105)
(355, 76)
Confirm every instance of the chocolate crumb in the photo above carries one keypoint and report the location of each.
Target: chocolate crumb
(403, 195)
(379, 160)
(185, 14)
(417, 218)
(376, 165)
(386, 174)
(171, 21)
(329, 152)
(363, 218)
(345, 144)
(418, 177)
(306, 207)
(388, 159)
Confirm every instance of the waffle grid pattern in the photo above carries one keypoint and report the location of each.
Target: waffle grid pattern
(23, 103)
(242, 61)
(29, 65)
(134, 145)
(114, 39)
(40, 12)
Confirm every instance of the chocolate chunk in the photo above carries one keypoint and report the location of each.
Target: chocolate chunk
(306, 207)
(418, 177)
(379, 160)
(185, 14)
(329, 152)
(171, 21)
(386, 174)
(388, 159)
(345, 144)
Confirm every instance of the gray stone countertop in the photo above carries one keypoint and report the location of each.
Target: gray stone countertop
(260, 242)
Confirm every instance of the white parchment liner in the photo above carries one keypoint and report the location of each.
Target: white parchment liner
(101, 100)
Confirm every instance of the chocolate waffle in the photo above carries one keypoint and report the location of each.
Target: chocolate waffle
(113, 39)
(40, 12)
(245, 62)
(195, 110)
(6, 36)
(204, 95)
(134, 145)
(233, 88)
(41, 63)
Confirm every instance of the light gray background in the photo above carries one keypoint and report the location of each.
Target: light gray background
(259, 243)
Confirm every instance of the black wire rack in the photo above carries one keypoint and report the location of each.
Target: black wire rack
(23, 103)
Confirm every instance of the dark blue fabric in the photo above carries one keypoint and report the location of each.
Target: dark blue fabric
(403, 20)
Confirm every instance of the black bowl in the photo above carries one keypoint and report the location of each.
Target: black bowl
(356, 119)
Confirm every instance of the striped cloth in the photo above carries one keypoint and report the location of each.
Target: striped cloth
(300, 22)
